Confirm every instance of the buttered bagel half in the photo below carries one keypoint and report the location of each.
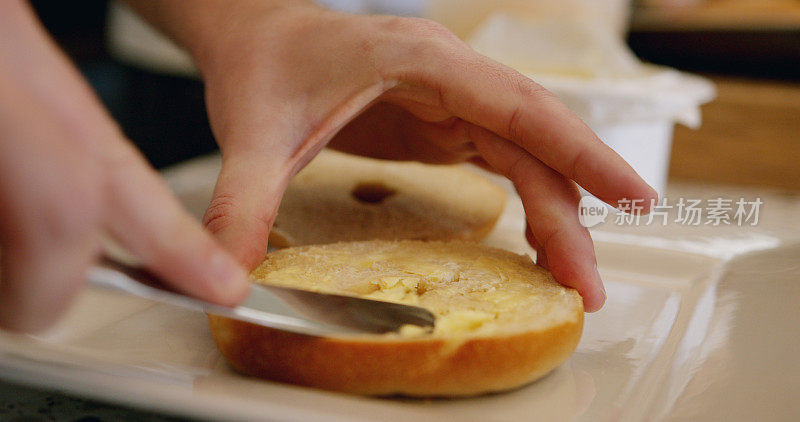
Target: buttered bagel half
(342, 197)
(501, 321)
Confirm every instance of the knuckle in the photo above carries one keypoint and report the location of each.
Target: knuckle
(532, 91)
(220, 213)
(577, 164)
(546, 234)
(225, 210)
(247, 232)
(528, 89)
(514, 122)
(430, 29)
(518, 170)
(415, 26)
(419, 38)
(528, 92)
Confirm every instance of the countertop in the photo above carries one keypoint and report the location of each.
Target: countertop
(750, 136)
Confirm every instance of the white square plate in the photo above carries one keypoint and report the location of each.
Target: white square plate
(676, 333)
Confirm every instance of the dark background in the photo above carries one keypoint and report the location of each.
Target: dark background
(164, 115)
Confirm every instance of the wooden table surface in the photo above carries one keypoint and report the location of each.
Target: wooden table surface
(750, 136)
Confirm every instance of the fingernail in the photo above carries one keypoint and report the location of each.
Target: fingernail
(600, 282)
(653, 200)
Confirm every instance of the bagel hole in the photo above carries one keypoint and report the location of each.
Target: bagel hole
(372, 192)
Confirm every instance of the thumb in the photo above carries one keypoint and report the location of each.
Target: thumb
(244, 205)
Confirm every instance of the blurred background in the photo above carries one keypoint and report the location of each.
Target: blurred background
(697, 94)
(748, 49)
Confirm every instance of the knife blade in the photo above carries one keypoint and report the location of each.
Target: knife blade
(295, 310)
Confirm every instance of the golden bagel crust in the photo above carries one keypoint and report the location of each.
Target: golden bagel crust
(414, 367)
(505, 352)
(342, 197)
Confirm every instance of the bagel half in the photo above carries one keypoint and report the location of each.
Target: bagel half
(501, 322)
(342, 197)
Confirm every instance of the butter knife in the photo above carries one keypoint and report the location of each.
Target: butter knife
(295, 310)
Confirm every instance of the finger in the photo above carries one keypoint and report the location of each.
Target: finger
(39, 281)
(541, 254)
(47, 223)
(244, 205)
(47, 227)
(148, 220)
(551, 206)
(495, 97)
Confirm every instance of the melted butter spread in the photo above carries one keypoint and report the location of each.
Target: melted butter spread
(470, 289)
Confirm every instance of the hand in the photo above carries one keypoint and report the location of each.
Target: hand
(281, 82)
(68, 178)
